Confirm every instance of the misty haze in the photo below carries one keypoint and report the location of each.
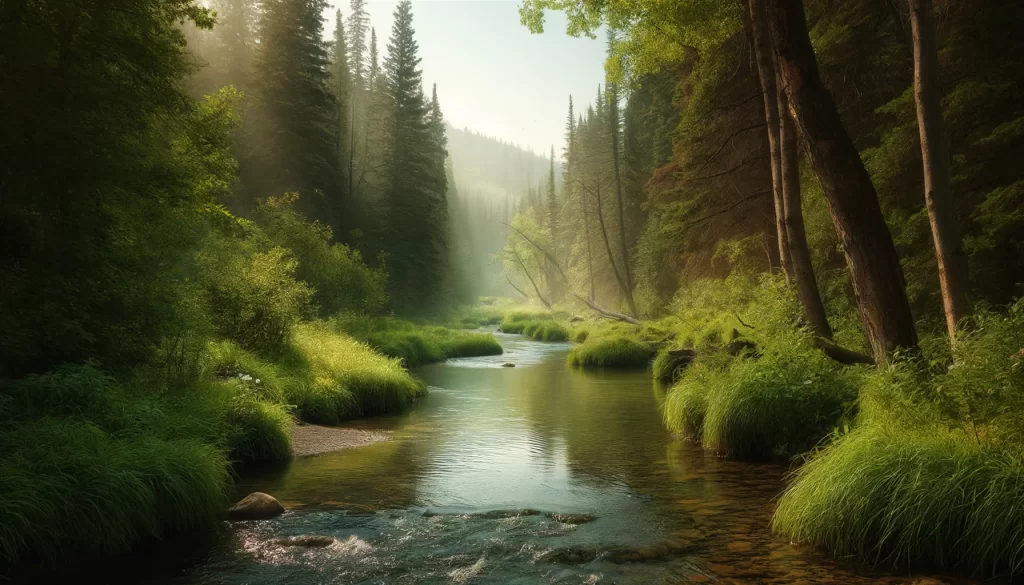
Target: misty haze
(493, 292)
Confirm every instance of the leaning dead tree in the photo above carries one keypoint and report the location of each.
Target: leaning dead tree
(597, 309)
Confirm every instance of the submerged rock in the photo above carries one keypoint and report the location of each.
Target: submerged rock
(571, 518)
(307, 540)
(508, 365)
(575, 555)
(256, 506)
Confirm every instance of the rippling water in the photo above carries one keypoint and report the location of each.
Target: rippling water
(531, 474)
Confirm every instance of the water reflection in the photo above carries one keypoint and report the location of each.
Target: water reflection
(495, 478)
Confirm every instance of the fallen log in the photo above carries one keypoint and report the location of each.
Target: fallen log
(841, 354)
(609, 314)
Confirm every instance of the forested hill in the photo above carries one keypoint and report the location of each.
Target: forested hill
(492, 168)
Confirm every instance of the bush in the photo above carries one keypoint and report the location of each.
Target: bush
(614, 352)
(341, 281)
(339, 378)
(253, 296)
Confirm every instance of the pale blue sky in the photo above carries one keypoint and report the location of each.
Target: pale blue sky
(492, 75)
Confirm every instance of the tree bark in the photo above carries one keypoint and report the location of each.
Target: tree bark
(608, 249)
(871, 256)
(952, 261)
(609, 314)
(800, 253)
(766, 73)
(526, 271)
(613, 116)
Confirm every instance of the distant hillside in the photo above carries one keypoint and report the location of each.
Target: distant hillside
(490, 168)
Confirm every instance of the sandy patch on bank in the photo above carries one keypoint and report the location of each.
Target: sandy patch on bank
(315, 439)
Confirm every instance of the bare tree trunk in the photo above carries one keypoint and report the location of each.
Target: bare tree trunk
(852, 201)
(949, 253)
(608, 249)
(800, 253)
(526, 271)
(590, 254)
(766, 74)
(613, 116)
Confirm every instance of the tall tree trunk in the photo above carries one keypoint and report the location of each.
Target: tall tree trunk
(800, 253)
(613, 117)
(949, 253)
(766, 73)
(590, 254)
(608, 249)
(851, 198)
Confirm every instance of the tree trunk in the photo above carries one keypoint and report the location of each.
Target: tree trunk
(608, 249)
(800, 253)
(766, 73)
(590, 254)
(949, 253)
(613, 116)
(851, 198)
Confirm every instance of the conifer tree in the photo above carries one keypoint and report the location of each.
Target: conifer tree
(341, 86)
(416, 208)
(358, 22)
(298, 118)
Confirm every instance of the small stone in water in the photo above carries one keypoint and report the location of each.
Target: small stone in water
(508, 365)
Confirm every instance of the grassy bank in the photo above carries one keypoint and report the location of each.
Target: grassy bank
(95, 464)
(932, 473)
(416, 344)
(538, 326)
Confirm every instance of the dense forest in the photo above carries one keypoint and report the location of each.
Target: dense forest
(219, 224)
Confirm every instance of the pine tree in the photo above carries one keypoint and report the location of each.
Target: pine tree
(358, 22)
(298, 118)
(416, 207)
(552, 204)
(341, 86)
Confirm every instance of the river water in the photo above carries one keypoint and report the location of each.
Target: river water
(531, 474)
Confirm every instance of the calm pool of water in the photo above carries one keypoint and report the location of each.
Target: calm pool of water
(532, 474)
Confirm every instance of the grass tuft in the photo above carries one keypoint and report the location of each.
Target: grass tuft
(611, 352)
(896, 496)
(417, 345)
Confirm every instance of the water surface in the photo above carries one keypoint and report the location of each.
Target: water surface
(531, 474)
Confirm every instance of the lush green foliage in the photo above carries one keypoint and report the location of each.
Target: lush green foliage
(611, 352)
(414, 344)
(932, 472)
(339, 378)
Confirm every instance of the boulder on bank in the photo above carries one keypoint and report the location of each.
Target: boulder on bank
(256, 506)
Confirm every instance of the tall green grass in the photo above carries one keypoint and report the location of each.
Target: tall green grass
(933, 473)
(613, 352)
(88, 465)
(898, 496)
(340, 378)
(781, 404)
(416, 344)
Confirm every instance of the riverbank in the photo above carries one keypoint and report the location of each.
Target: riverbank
(310, 439)
(913, 463)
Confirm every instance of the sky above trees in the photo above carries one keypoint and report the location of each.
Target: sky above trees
(492, 75)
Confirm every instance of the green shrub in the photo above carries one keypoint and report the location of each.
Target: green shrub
(262, 431)
(614, 352)
(891, 495)
(253, 296)
(341, 281)
(783, 403)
